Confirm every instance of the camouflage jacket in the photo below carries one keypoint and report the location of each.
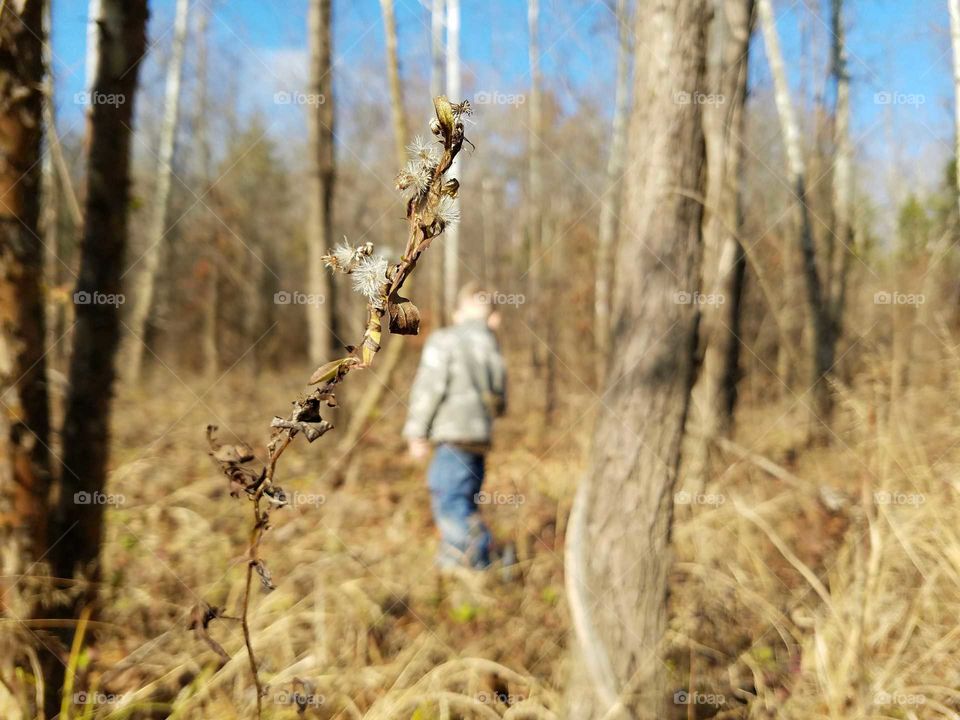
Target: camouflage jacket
(460, 386)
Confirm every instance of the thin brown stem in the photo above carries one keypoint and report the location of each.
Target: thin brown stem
(425, 224)
(252, 562)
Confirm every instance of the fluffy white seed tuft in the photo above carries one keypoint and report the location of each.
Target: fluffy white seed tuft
(448, 211)
(369, 277)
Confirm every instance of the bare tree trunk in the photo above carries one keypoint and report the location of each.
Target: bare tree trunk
(210, 246)
(147, 281)
(724, 261)
(842, 181)
(50, 212)
(396, 94)
(437, 85)
(819, 323)
(321, 320)
(955, 44)
(612, 195)
(625, 503)
(489, 250)
(535, 178)
(451, 239)
(24, 408)
(394, 351)
(78, 523)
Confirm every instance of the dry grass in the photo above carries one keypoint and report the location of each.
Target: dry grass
(788, 602)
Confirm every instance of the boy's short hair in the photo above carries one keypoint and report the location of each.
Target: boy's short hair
(474, 295)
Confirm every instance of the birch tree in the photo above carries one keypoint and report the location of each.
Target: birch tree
(535, 170)
(394, 351)
(841, 240)
(624, 504)
(437, 84)
(822, 350)
(610, 201)
(451, 243)
(209, 236)
(77, 525)
(955, 44)
(393, 74)
(724, 260)
(156, 235)
(321, 320)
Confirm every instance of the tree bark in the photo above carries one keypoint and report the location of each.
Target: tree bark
(156, 235)
(78, 526)
(822, 348)
(610, 202)
(842, 234)
(451, 237)
(321, 319)
(624, 508)
(437, 84)
(209, 249)
(955, 44)
(400, 138)
(390, 360)
(724, 261)
(24, 409)
(535, 181)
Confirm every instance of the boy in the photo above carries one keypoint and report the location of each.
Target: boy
(459, 389)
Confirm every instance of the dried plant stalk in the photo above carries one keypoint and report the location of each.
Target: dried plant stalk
(428, 213)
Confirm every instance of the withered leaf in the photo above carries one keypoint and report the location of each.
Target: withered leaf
(200, 618)
(311, 430)
(266, 579)
(404, 316)
(451, 187)
(444, 113)
(240, 453)
(331, 370)
(329, 399)
(233, 453)
(276, 495)
(370, 347)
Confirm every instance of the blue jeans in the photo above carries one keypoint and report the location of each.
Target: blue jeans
(455, 477)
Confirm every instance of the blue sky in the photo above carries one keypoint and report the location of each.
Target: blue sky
(899, 59)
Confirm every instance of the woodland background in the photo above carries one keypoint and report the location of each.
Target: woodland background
(721, 235)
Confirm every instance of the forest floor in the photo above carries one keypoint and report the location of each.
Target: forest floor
(825, 585)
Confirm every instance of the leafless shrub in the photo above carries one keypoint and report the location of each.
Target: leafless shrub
(380, 283)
